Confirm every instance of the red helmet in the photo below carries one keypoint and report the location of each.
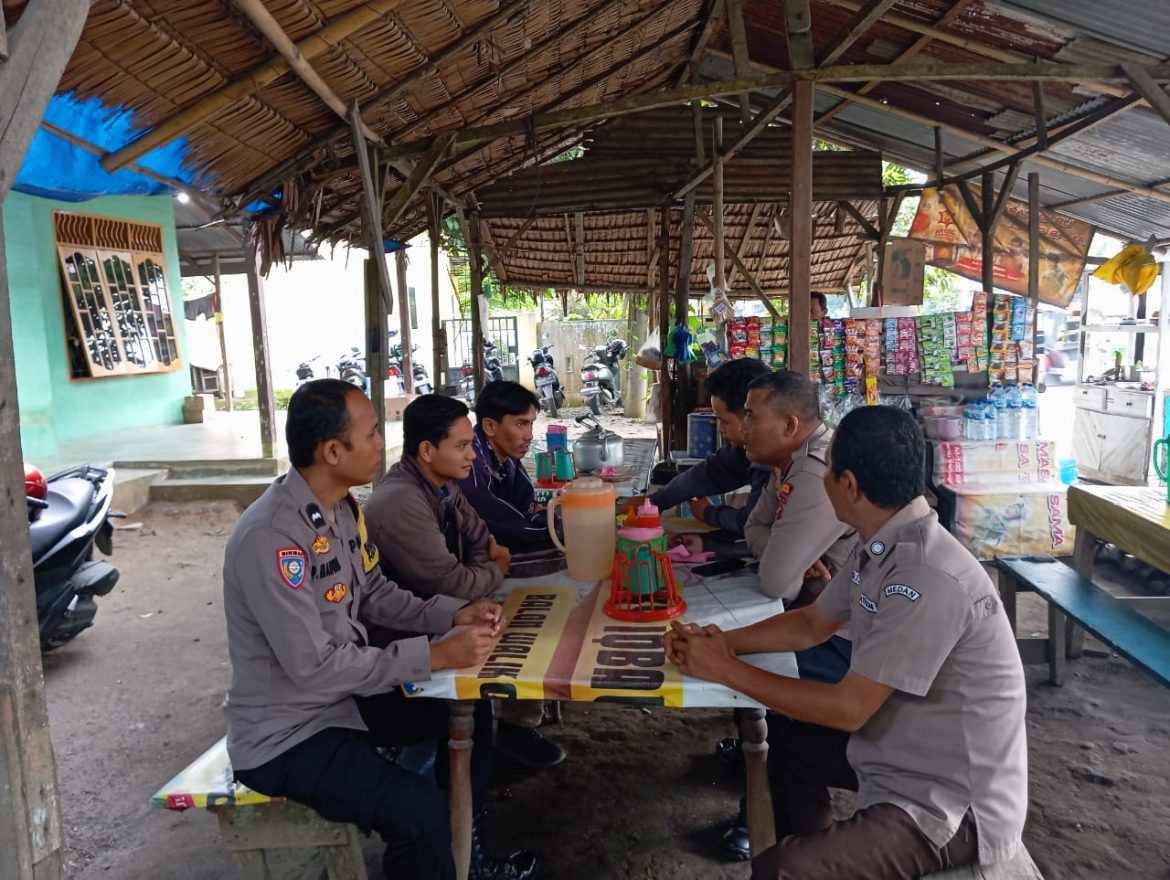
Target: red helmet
(35, 485)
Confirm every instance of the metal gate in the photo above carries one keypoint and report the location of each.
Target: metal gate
(500, 330)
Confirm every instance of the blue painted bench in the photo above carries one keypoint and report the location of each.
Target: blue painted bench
(1070, 595)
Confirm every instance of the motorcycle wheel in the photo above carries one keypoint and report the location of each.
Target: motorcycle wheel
(553, 410)
(595, 404)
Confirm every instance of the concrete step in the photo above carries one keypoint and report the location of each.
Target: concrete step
(132, 487)
(184, 469)
(241, 489)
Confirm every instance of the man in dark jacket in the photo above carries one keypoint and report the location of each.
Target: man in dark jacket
(498, 486)
(499, 489)
(728, 468)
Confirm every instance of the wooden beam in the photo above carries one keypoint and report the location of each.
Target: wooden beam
(717, 203)
(987, 230)
(1040, 115)
(377, 342)
(1145, 86)
(871, 231)
(1005, 192)
(650, 251)
(217, 281)
(37, 51)
(706, 29)
(438, 337)
(418, 176)
(579, 238)
(264, 21)
(475, 255)
(1034, 265)
(750, 278)
(800, 243)
(742, 61)
(940, 170)
(798, 24)
(403, 323)
(1100, 197)
(664, 389)
(253, 81)
(491, 251)
(258, 307)
(865, 18)
(515, 236)
(371, 205)
(741, 250)
(572, 251)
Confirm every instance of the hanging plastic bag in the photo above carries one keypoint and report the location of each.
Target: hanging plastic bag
(1134, 267)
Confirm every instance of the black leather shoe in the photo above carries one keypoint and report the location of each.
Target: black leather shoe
(736, 846)
(527, 746)
(518, 866)
(729, 751)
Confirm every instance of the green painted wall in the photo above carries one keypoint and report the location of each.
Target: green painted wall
(53, 408)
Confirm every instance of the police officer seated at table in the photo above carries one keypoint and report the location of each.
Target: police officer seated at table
(725, 470)
(311, 701)
(927, 726)
(498, 486)
(432, 541)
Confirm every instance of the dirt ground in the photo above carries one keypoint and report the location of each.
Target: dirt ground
(641, 796)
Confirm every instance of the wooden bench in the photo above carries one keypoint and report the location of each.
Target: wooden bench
(1020, 868)
(255, 826)
(1069, 595)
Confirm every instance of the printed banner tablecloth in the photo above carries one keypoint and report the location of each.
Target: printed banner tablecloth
(558, 644)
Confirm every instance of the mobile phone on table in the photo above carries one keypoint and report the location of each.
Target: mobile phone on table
(721, 566)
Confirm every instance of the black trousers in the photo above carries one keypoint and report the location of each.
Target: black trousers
(340, 774)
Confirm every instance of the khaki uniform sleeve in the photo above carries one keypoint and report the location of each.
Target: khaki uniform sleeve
(328, 667)
(416, 553)
(806, 528)
(836, 601)
(921, 614)
(758, 527)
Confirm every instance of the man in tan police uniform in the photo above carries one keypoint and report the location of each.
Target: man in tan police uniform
(927, 726)
(310, 699)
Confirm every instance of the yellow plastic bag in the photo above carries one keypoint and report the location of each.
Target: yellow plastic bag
(1133, 267)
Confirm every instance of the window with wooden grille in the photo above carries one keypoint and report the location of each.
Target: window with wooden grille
(118, 319)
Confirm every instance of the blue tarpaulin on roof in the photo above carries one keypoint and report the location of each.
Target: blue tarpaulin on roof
(56, 169)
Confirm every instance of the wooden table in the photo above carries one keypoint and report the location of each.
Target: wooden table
(559, 645)
(1135, 518)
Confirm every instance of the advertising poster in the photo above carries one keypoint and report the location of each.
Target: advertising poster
(953, 242)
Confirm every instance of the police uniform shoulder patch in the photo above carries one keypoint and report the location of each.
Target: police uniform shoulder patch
(336, 593)
(290, 562)
(902, 590)
(320, 545)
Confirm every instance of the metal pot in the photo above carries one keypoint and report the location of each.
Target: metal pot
(597, 448)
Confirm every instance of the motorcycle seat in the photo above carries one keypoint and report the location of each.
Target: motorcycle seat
(69, 500)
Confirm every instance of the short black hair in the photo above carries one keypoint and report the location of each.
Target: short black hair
(503, 398)
(794, 392)
(730, 382)
(317, 413)
(822, 299)
(884, 448)
(428, 420)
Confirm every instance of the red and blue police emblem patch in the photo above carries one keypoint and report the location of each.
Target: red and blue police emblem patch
(290, 562)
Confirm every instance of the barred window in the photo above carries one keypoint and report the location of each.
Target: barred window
(118, 319)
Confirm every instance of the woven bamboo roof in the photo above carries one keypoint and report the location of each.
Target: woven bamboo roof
(494, 74)
(620, 249)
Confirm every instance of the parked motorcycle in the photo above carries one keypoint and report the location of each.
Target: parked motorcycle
(422, 380)
(351, 367)
(601, 376)
(68, 515)
(305, 371)
(493, 367)
(467, 383)
(548, 383)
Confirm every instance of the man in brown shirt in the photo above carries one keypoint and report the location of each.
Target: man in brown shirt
(927, 726)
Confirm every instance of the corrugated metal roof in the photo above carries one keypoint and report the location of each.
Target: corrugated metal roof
(1136, 24)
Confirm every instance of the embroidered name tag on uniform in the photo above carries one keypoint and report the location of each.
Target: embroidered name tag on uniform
(336, 593)
(867, 603)
(320, 545)
(330, 566)
(902, 590)
(290, 562)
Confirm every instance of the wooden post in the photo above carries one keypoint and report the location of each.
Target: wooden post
(377, 348)
(439, 339)
(371, 201)
(800, 243)
(634, 394)
(404, 322)
(474, 254)
(664, 406)
(987, 230)
(753, 733)
(460, 728)
(1034, 268)
(35, 53)
(256, 305)
(717, 205)
(227, 376)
